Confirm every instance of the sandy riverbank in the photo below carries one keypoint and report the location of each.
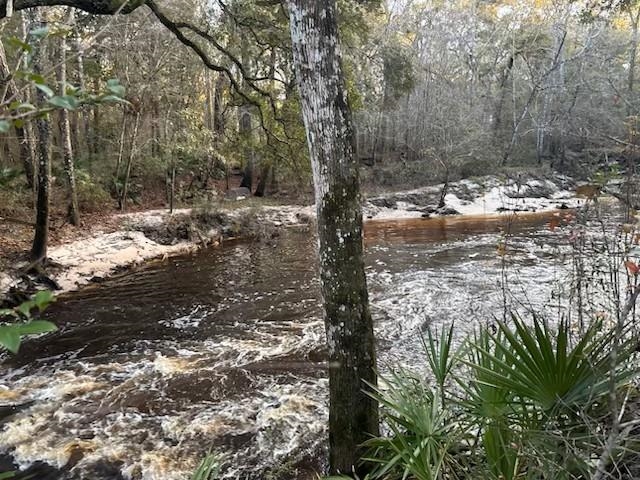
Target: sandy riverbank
(155, 234)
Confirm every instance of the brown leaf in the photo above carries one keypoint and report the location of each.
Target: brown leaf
(632, 267)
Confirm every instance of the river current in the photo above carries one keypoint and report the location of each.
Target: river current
(223, 350)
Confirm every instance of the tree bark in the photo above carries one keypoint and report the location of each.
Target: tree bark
(353, 416)
(83, 123)
(634, 18)
(127, 173)
(261, 188)
(65, 125)
(97, 7)
(245, 129)
(23, 134)
(41, 236)
(218, 113)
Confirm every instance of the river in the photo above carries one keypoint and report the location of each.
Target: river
(223, 349)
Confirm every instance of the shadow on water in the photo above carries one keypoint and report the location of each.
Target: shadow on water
(225, 348)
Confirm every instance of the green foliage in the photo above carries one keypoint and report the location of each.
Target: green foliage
(544, 371)
(605, 175)
(441, 361)
(531, 395)
(209, 468)
(15, 112)
(398, 71)
(424, 432)
(92, 196)
(8, 175)
(11, 334)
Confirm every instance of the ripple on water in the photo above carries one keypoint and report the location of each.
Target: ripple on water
(225, 349)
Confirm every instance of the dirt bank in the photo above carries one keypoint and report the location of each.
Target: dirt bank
(142, 236)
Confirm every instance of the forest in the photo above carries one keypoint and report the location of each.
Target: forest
(301, 239)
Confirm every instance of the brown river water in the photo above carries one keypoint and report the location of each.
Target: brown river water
(223, 350)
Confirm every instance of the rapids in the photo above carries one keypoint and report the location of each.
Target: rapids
(223, 349)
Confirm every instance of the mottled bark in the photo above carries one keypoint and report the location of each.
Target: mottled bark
(43, 129)
(353, 416)
(65, 126)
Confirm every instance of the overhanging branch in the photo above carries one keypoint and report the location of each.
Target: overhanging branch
(96, 7)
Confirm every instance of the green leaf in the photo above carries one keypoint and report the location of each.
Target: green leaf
(10, 338)
(36, 327)
(7, 475)
(43, 298)
(45, 89)
(25, 106)
(71, 89)
(17, 43)
(66, 102)
(39, 32)
(25, 308)
(5, 126)
(113, 98)
(34, 77)
(113, 86)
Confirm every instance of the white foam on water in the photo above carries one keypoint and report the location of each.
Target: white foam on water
(255, 396)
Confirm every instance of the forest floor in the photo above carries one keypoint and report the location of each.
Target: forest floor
(108, 243)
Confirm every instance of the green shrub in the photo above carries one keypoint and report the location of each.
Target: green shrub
(92, 196)
(529, 403)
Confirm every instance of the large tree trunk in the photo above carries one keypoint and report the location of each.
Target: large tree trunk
(353, 416)
(65, 125)
(41, 237)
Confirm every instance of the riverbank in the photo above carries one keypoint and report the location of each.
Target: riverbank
(90, 254)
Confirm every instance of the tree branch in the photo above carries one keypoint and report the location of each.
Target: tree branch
(96, 7)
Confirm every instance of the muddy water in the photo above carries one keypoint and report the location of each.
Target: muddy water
(223, 349)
